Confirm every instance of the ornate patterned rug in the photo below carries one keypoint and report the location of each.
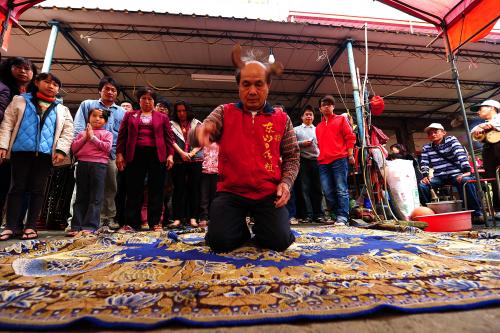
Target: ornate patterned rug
(148, 279)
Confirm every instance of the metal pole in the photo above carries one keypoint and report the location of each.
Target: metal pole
(51, 45)
(5, 24)
(454, 74)
(355, 88)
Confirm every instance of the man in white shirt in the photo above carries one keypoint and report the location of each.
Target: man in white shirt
(488, 111)
(309, 170)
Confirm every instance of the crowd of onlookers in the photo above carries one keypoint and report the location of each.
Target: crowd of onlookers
(144, 168)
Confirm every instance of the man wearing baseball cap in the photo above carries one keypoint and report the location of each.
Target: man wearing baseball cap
(448, 158)
(488, 111)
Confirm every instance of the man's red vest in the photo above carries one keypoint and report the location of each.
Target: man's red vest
(249, 152)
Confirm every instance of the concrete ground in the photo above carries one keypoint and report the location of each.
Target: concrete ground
(481, 320)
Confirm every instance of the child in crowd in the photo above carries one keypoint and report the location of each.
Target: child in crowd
(36, 133)
(209, 175)
(91, 147)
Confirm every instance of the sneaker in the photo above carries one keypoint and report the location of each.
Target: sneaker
(113, 225)
(145, 226)
(294, 221)
(342, 222)
(307, 220)
(318, 219)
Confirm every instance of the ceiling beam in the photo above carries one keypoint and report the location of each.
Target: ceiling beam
(469, 99)
(65, 30)
(266, 39)
(316, 82)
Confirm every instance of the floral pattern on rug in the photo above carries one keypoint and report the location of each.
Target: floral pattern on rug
(150, 278)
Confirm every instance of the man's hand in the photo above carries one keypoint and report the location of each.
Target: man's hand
(282, 194)
(307, 143)
(351, 159)
(57, 159)
(170, 162)
(203, 133)
(460, 177)
(120, 162)
(3, 154)
(425, 180)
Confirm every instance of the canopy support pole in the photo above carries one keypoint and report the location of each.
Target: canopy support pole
(355, 89)
(51, 45)
(454, 73)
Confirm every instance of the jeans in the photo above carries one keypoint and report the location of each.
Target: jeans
(186, 196)
(89, 195)
(30, 173)
(228, 229)
(472, 198)
(145, 162)
(108, 211)
(333, 178)
(291, 205)
(311, 187)
(208, 190)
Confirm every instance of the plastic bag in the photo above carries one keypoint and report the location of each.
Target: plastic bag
(403, 185)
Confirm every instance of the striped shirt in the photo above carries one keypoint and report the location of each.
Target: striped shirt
(288, 147)
(448, 158)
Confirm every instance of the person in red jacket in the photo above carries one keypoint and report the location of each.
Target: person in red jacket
(258, 164)
(336, 142)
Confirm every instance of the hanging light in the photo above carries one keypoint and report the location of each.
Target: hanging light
(271, 56)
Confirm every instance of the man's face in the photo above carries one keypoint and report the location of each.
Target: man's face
(486, 112)
(308, 118)
(108, 93)
(161, 108)
(327, 108)
(253, 88)
(127, 106)
(435, 135)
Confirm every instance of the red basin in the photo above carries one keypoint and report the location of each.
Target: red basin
(444, 222)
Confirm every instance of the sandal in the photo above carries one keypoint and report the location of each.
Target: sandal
(157, 227)
(126, 229)
(6, 234)
(29, 234)
(72, 233)
(175, 224)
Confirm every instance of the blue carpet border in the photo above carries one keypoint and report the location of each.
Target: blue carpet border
(101, 324)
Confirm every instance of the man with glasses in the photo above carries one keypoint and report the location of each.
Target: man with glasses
(488, 111)
(336, 143)
(448, 158)
(108, 91)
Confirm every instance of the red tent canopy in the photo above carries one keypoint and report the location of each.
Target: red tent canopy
(17, 7)
(462, 20)
(13, 10)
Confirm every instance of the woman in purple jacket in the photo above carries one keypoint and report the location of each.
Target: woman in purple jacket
(144, 147)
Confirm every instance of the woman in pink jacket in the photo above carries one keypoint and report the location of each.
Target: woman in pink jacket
(144, 147)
